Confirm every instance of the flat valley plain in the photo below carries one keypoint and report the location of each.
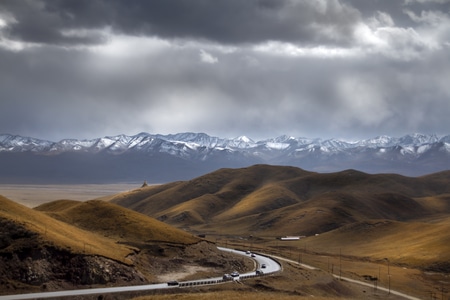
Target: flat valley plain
(33, 195)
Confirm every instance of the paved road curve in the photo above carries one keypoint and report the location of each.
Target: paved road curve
(271, 266)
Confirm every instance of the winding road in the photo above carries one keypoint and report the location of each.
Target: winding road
(271, 266)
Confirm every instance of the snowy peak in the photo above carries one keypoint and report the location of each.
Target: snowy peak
(416, 154)
(418, 139)
(194, 146)
(146, 141)
(16, 143)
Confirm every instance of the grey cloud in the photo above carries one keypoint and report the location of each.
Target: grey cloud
(44, 22)
(396, 9)
(161, 85)
(301, 96)
(222, 21)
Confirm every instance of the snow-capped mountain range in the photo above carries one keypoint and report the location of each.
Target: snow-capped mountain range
(414, 154)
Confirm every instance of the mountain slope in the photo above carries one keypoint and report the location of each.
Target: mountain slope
(262, 193)
(38, 252)
(366, 215)
(69, 244)
(419, 244)
(115, 222)
(50, 231)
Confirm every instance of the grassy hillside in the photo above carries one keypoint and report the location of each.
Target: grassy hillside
(418, 244)
(115, 222)
(49, 231)
(67, 244)
(268, 192)
(275, 201)
(93, 227)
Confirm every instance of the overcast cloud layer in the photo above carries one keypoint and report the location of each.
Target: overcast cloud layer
(262, 68)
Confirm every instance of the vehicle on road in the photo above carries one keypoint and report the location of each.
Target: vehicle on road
(227, 277)
(259, 272)
(263, 266)
(172, 283)
(234, 274)
(253, 255)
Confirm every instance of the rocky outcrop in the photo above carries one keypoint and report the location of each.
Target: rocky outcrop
(24, 261)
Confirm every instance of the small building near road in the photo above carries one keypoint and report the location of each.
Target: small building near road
(291, 238)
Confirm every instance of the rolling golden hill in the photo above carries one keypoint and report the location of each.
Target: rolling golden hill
(66, 244)
(275, 201)
(116, 222)
(270, 193)
(48, 231)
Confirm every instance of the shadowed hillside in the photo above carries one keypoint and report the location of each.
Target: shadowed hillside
(39, 252)
(69, 244)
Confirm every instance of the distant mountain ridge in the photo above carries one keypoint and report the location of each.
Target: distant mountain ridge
(186, 155)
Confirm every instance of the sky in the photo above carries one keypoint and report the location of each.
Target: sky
(347, 69)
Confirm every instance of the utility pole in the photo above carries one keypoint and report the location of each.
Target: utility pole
(328, 265)
(389, 277)
(442, 290)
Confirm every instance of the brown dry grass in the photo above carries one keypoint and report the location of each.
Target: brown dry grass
(365, 217)
(411, 281)
(62, 235)
(342, 207)
(227, 194)
(115, 221)
(233, 295)
(415, 244)
(92, 227)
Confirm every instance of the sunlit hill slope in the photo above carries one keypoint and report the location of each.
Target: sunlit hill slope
(115, 222)
(276, 201)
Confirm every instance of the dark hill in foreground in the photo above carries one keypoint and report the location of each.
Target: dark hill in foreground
(69, 244)
(39, 252)
(277, 201)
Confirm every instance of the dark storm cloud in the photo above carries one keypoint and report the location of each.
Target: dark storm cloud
(222, 21)
(45, 22)
(350, 69)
